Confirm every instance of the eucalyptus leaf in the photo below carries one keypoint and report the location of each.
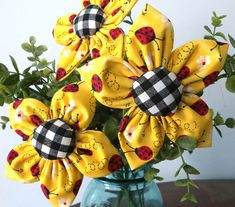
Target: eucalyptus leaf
(182, 183)
(220, 34)
(32, 40)
(230, 123)
(232, 40)
(191, 170)
(219, 120)
(187, 143)
(1, 100)
(111, 127)
(230, 84)
(208, 29)
(12, 80)
(13, 61)
(189, 197)
(27, 47)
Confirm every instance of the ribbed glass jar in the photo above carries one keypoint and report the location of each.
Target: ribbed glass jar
(124, 188)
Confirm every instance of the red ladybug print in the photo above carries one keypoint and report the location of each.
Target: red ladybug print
(61, 163)
(115, 163)
(146, 35)
(11, 156)
(82, 151)
(77, 187)
(95, 53)
(184, 72)
(144, 152)
(210, 78)
(124, 123)
(71, 88)
(76, 126)
(133, 77)
(143, 68)
(86, 3)
(35, 170)
(97, 84)
(61, 72)
(104, 3)
(36, 120)
(200, 107)
(115, 33)
(116, 11)
(45, 191)
(72, 17)
(22, 134)
(16, 104)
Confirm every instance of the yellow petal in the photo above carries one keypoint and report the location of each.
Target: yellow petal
(26, 115)
(63, 31)
(71, 56)
(110, 78)
(141, 137)
(95, 155)
(198, 63)
(116, 10)
(75, 104)
(192, 118)
(23, 164)
(60, 182)
(150, 39)
(109, 40)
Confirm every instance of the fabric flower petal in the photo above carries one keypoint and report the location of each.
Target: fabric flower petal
(71, 56)
(141, 137)
(116, 10)
(75, 104)
(192, 118)
(111, 80)
(95, 156)
(26, 115)
(198, 63)
(150, 40)
(23, 164)
(60, 180)
(63, 31)
(109, 40)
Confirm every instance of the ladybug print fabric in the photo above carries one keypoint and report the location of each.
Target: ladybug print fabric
(148, 46)
(93, 155)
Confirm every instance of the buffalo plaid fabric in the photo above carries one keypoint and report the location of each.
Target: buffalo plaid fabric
(88, 21)
(157, 92)
(54, 139)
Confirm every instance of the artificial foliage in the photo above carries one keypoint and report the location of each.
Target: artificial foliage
(44, 91)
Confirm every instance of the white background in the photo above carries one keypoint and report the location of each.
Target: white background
(22, 18)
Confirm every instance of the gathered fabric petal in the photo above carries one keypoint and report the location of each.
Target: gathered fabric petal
(26, 115)
(70, 57)
(150, 40)
(198, 63)
(75, 104)
(60, 182)
(94, 155)
(141, 137)
(111, 79)
(23, 164)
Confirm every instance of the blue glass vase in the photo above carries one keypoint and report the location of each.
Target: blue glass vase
(123, 188)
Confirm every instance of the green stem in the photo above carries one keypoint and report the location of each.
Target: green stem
(184, 163)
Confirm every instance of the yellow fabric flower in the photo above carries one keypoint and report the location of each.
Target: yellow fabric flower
(158, 85)
(92, 31)
(58, 150)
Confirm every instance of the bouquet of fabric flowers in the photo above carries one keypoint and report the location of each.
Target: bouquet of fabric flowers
(116, 99)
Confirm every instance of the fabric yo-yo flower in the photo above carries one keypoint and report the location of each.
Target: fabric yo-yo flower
(92, 31)
(158, 85)
(58, 149)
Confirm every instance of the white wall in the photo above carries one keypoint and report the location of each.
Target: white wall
(22, 18)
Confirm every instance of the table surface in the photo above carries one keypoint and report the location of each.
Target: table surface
(212, 193)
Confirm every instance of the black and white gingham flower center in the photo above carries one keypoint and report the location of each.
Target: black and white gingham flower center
(88, 21)
(54, 139)
(157, 92)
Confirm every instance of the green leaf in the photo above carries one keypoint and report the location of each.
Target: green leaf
(216, 21)
(5, 119)
(231, 40)
(3, 126)
(230, 84)
(178, 171)
(222, 35)
(209, 37)
(230, 123)
(40, 50)
(111, 127)
(12, 80)
(214, 13)
(158, 178)
(150, 174)
(222, 17)
(4, 73)
(27, 47)
(42, 64)
(182, 183)
(189, 197)
(187, 143)
(13, 61)
(32, 40)
(219, 120)
(173, 154)
(218, 131)
(191, 170)
(192, 183)
(208, 29)
(1, 100)
(32, 59)
(26, 82)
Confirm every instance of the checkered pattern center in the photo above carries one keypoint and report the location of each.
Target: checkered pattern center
(157, 92)
(88, 21)
(54, 139)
